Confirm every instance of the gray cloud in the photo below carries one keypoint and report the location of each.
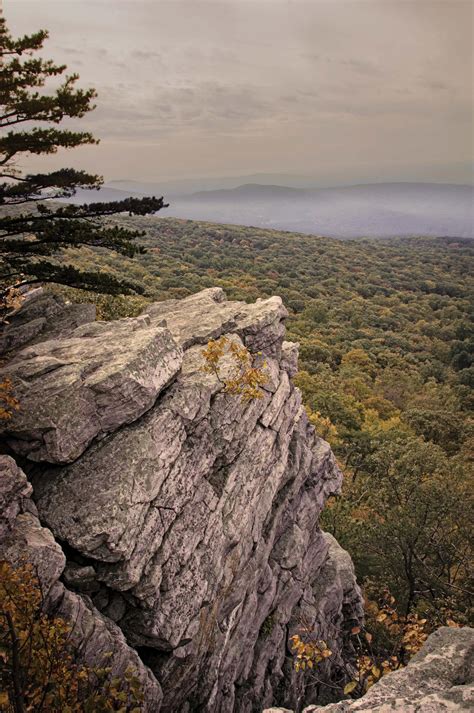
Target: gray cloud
(192, 87)
(146, 56)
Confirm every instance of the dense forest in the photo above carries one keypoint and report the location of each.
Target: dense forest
(386, 372)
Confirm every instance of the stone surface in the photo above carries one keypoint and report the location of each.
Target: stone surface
(207, 315)
(80, 578)
(193, 522)
(42, 316)
(23, 539)
(439, 678)
(14, 488)
(74, 389)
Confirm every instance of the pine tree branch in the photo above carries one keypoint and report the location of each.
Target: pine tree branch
(43, 231)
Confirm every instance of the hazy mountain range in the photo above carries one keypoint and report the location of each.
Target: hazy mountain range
(372, 210)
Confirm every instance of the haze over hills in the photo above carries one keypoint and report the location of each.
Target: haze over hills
(186, 186)
(367, 210)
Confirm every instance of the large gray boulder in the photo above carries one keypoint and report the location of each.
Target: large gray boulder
(74, 389)
(191, 520)
(208, 314)
(42, 316)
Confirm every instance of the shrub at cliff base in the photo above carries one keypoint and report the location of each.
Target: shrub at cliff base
(38, 668)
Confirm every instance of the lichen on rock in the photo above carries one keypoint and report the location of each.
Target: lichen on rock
(189, 517)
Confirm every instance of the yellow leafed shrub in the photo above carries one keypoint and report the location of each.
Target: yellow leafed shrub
(38, 667)
(245, 379)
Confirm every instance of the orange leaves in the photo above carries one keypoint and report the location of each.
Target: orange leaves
(8, 403)
(414, 635)
(452, 624)
(395, 639)
(245, 379)
(38, 666)
(213, 353)
(309, 653)
(349, 687)
(408, 630)
(50, 667)
(368, 673)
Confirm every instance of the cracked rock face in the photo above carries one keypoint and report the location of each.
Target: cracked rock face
(40, 317)
(74, 389)
(190, 517)
(22, 537)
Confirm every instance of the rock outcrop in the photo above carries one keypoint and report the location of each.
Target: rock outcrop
(439, 678)
(42, 316)
(22, 538)
(188, 517)
(75, 389)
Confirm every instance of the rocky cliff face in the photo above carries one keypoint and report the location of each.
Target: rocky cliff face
(179, 521)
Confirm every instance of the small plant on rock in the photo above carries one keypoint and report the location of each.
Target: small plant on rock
(245, 379)
(386, 644)
(8, 402)
(309, 651)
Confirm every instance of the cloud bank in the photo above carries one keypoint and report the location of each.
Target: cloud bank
(340, 90)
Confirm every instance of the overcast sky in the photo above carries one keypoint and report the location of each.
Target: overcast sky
(344, 91)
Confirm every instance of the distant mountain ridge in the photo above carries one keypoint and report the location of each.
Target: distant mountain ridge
(384, 191)
(106, 194)
(365, 210)
(252, 191)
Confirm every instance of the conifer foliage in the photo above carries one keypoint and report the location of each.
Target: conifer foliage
(35, 97)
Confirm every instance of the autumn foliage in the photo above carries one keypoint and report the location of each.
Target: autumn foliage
(386, 643)
(245, 379)
(8, 402)
(38, 666)
(386, 375)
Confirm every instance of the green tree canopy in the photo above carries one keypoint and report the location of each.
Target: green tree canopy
(33, 231)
